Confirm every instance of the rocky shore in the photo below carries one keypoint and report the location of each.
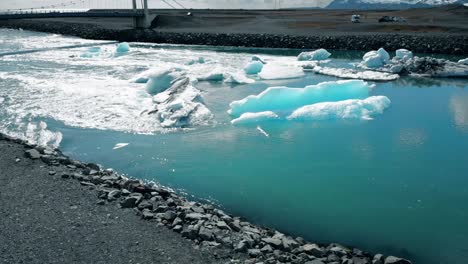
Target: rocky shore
(216, 236)
(443, 43)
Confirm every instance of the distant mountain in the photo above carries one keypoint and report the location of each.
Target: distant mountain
(390, 4)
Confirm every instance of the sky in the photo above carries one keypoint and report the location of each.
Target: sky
(17, 4)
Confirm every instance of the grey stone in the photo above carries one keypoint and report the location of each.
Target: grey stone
(33, 154)
(254, 252)
(195, 216)
(129, 202)
(222, 225)
(266, 249)
(205, 234)
(190, 232)
(378, 259)
(395, 260)
(147, 215)
(234, 225)
(273, 242)
(170, 215)
(315, 261)
(289, 243)
(145, 205)
(178, 228)
(241, 246)
(113, 195)
(313, 250)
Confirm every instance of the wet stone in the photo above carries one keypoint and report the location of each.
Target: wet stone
(33, 154)
(395, 260)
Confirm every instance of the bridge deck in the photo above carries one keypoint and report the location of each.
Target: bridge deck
(70, 14)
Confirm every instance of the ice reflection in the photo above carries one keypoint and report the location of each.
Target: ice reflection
(459, 108)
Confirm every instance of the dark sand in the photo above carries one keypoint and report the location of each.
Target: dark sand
(46, 219)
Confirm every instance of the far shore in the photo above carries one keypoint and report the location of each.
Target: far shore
(442, 30)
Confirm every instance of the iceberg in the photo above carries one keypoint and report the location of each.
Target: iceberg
(320, 54)
(247, 118)
(347, 109)
(433, 67)
(253, 67)
(353, 74)
(272, 72)
(404, 54)
(180, 106)
(464, 61)
(285, 98)
(376, 59)
(235, 78)
(161, 79)
(123, 47)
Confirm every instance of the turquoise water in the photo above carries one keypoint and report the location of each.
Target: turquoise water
(397, 184)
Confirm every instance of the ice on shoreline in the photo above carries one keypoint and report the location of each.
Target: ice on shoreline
(464, 61)
(353, 74)
(346, 109)
(316, 55)
(285, 98)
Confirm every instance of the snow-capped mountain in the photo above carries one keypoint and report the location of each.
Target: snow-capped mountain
(390, 4)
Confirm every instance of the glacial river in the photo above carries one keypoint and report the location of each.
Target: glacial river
(396, 182)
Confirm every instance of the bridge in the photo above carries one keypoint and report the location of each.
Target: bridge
(140, 14)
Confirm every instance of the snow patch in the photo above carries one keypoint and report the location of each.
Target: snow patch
(347, 109)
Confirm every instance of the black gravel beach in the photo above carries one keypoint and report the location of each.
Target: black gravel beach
(58, 210)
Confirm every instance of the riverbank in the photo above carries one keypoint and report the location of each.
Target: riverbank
(58, 210)
(310, 29)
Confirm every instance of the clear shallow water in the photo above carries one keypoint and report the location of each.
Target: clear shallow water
(396, 184)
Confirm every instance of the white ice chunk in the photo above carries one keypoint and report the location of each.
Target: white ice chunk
(347, 109)
(237, 78)
(285, 98)
(404, 54)
(181, 106)
(40, 135)
(320, 54)
(279, 72)
(253, 67)
(464, 61)
(247, 118)
(376, 59)
(353, 74)
(123, 47)
(161, 79)
(216, 75)
(120, 145)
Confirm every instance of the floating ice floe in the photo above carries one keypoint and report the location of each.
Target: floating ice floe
(354, 74)
(237, 78)
(404, 54)
(123, 47)
(347, 109)
(464, 61)
(376, 59)
(161, 79)
(253, 67)
(180, 106)
(320, 54)
(120, 145)
(287, 99)
(435, 67)
(279, 72)
(216, 75)
(247, 118)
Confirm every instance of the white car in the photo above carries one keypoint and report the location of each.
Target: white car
(356, 18)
